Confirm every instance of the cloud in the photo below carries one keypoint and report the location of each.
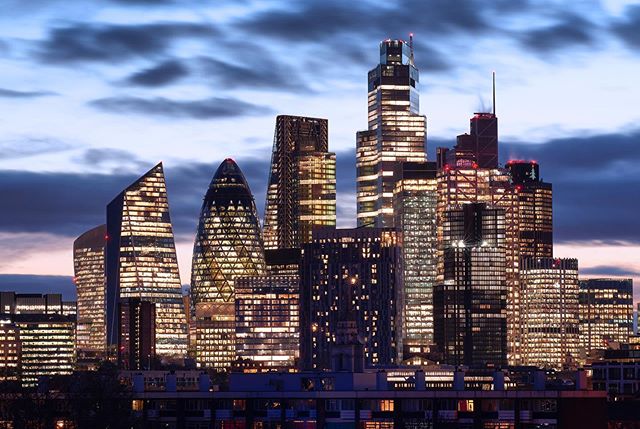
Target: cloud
(162, 74)
(627, 28)
(571, 30)
(593, 179)
(115, 43)
(208, 108)
(39, 284)
(259, 71)
(10, 93)
(31, 146)
(609, 270)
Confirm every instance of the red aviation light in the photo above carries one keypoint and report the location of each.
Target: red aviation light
(474, 165)
(447, 167)
(106, 237)
(518, 188)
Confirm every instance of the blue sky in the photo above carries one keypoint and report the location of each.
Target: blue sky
(93, 94)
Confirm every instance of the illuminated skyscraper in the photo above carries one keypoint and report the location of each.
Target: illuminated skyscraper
(348, 264)
(396, 132)
(228, 245)
(301, 193)
(141, 261)
(415, 200)
(606, 312)
(137, 342)
(535, 211)
(267, 323)
(89, 277)
(470, 298)
(549, 311)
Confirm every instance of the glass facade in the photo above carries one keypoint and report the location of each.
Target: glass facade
(228, 245)
(549, 312)
(465, 183)
(47, 344)
(9, 350)
(141, 261)
(89, 278)
(470, 299)
(396, 132)
(333, 262)
(606, 312)
(267, 323)
(302, 182)
(414, 204)
(535, 201)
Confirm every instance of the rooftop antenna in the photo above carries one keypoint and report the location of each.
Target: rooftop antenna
(494, 93)
(411, 46)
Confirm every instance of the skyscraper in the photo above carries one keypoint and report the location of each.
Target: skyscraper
(348, 264)
(535, 211)
(396, 132)
(137, 342)
(549, 311)
(89, 278)
(228, 245)
(267, 323)
(415, 199)
(606, 312)
(470, 298)
(301, 193)
(141, 261)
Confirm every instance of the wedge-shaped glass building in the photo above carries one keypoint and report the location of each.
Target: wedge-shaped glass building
(228, 245)
(141, 261)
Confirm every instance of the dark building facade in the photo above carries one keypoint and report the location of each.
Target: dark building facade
(301, 193)
(141, 261)
(137, 341)
(228, 245)
(535, 209)
(470, 301)
(396, 132)
(343, 264)
(606, 312)
(89, 278)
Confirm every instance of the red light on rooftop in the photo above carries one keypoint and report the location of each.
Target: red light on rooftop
(533, 161)
(106, 237)
(474, 165)
(518, 188)
(447, 167)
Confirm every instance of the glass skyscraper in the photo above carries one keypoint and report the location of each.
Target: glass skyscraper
(89, 278)
(396, 132)
(606, 312)
(228, 245)
(302, 182)
(415, 199)
(549, 312)
(141, 261)
(470, 298)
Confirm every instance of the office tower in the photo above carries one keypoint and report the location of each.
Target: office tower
(415, 200)
(463, 183)
(606, 312)
(9, 350)
(137, 340)
(335, 261)
(30, 303)
(396, 132)
(267, 323)
(549, 311)
(89, 278)
(283, 262)
(301, 193)
(535, 213)
(47, 343)
(470, 298)
(479, 146)
(141, 261)
(228, 245)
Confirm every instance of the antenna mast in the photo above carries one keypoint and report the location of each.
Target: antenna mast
(411, 46)
(494, 93)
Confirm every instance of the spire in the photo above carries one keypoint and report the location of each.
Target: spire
(494, 93)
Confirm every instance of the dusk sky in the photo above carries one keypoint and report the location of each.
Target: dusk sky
(93, 94)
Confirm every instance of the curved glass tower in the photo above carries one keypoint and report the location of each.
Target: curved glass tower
(228, 245)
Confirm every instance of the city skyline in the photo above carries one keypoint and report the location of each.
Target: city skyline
(584, 178)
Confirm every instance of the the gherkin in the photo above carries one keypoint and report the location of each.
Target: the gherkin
(228, 245)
